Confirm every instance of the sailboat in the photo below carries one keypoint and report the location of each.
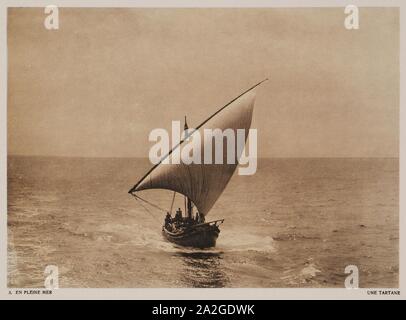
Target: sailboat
(199, 184)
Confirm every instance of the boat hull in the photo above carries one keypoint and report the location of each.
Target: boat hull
(204, 236)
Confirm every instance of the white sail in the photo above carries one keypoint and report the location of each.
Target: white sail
(203, 183)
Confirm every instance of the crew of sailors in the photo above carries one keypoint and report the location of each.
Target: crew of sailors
(199, 218)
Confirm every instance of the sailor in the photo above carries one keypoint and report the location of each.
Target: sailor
(201, 217)
(168, 219)
(178, 215)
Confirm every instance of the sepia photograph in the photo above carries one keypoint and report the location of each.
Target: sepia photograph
(203, 147)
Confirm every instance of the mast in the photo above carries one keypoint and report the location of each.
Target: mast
(185, 127)
(189, 208)
(188, 205)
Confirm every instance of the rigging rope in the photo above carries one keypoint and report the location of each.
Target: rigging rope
(146, 201)
(146, 209)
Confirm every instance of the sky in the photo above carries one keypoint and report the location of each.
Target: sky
(99, 84)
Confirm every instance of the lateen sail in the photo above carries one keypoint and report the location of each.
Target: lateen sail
(203, 183)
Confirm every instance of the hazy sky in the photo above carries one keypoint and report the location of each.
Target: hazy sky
(107, 77)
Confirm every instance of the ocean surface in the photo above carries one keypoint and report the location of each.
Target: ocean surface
(295, 223)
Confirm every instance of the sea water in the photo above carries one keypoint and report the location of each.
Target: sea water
(295, 223)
